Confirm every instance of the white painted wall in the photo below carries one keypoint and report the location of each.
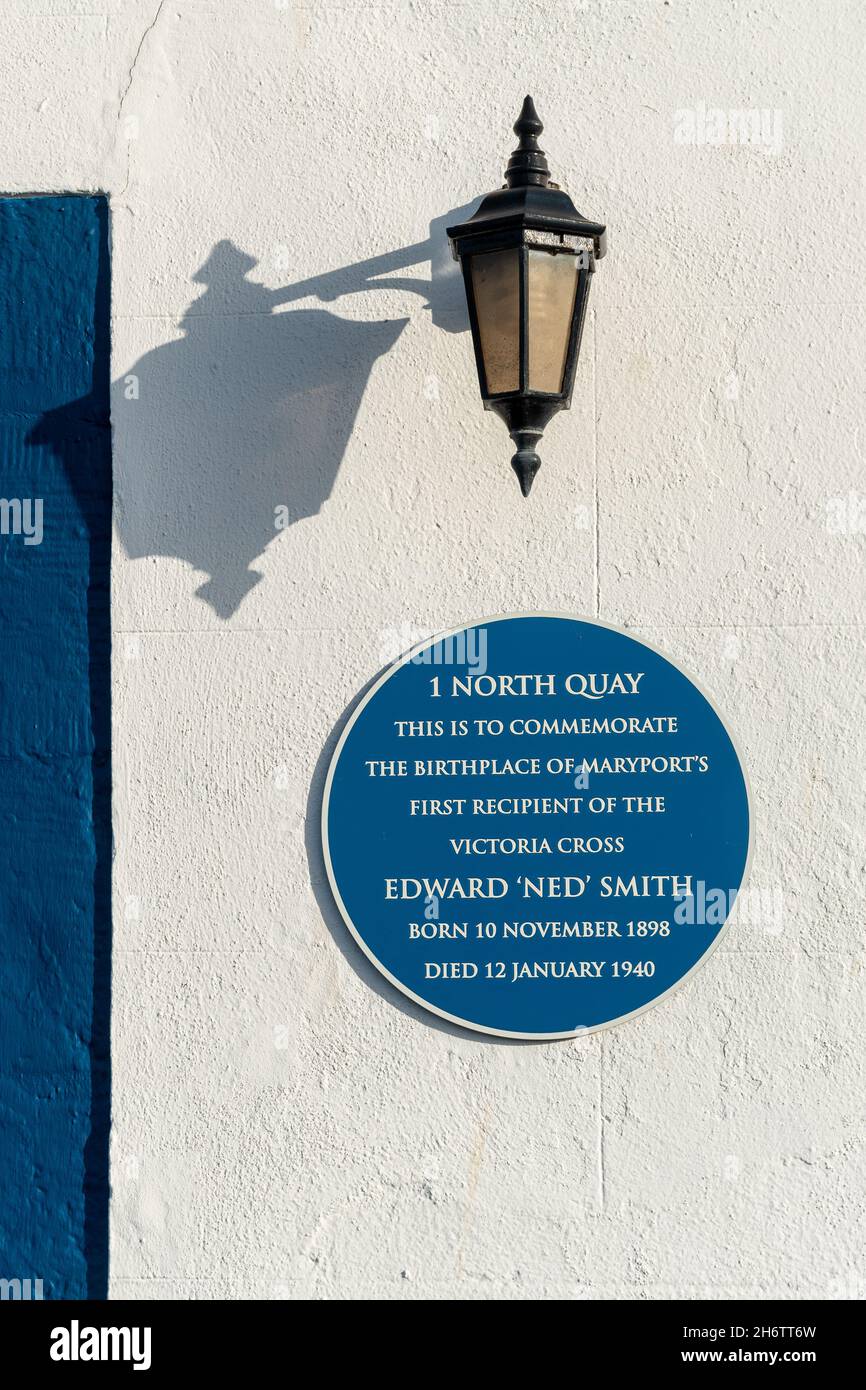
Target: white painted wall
(285, 1124)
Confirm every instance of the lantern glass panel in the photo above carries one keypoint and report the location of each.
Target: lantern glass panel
(552, 285)
(496, 288)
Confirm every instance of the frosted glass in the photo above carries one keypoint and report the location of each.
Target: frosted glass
(496, 284)
(552, 286)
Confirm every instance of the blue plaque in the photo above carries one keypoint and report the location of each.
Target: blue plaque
(536, 826)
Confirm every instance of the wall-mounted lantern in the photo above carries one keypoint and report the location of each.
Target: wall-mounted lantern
(527, 257)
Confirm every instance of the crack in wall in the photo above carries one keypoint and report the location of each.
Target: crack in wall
(128, 84)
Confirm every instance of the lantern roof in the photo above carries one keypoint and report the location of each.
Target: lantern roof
(528, 201)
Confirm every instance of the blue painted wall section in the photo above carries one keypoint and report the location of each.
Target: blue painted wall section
(55, 772)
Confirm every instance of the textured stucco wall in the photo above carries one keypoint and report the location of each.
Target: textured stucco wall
(285, 1125)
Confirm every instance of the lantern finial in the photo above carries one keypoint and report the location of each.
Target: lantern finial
(527, 164)
(526, 462)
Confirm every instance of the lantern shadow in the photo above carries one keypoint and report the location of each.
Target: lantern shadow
(238, 429)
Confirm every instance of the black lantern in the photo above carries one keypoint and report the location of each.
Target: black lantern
(527, 255)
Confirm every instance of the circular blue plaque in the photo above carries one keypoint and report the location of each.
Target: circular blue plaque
(536, 826)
